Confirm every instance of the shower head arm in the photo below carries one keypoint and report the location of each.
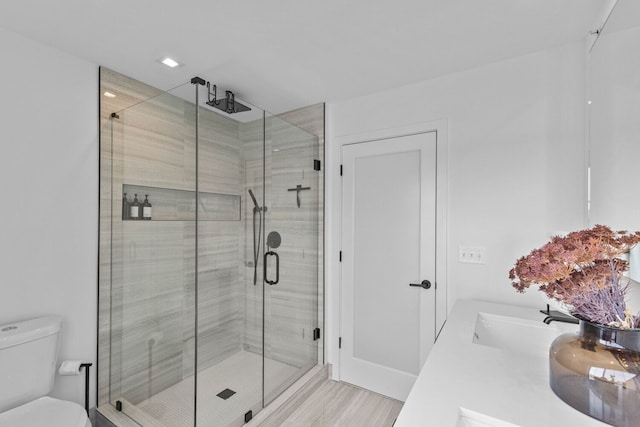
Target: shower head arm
(231, 102)
(212, 99)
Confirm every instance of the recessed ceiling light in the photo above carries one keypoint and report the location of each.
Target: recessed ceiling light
(109, 95)
(170, 62)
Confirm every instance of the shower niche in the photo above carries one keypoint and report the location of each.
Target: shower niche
(170, 204)
(191, 332)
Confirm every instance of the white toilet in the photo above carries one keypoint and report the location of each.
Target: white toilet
(28, 359)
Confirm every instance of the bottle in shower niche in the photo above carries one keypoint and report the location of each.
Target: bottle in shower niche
(135, 208)
(126, 207)
(146, 208)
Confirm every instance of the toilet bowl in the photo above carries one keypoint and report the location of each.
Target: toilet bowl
(28, 360)
(46, 411)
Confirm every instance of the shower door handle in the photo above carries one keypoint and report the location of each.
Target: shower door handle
(266, 279)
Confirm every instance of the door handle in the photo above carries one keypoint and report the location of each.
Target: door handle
(424, 284)
(268, 254)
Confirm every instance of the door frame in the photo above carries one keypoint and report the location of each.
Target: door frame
(334, 236)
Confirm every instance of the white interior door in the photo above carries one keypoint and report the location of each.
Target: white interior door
(388, 242)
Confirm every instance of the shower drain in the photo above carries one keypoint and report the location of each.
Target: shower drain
(226, 393)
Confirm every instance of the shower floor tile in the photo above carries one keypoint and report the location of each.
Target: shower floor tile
(242, 373)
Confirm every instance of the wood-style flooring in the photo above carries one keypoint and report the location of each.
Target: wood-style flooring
(331, 404)
(337, 404)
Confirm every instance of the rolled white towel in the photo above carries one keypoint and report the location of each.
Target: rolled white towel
(70, 367)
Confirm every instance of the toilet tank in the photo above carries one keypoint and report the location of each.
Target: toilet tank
(28, 359)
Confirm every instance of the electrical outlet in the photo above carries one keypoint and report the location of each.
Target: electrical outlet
(472, 254)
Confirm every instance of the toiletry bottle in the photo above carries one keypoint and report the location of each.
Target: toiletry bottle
(135, 208)
(126, 207)
(146, 208)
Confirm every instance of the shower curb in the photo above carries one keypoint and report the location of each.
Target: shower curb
(283, 406)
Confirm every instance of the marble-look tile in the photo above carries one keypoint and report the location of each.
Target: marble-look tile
(151, 144)
(290, 308)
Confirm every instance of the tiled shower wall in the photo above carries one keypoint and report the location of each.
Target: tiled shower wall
(311, 120)
(152, 266)
(147, 276)
(291, 311)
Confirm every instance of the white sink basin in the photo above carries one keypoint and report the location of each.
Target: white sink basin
(514, 334)
(469, 418)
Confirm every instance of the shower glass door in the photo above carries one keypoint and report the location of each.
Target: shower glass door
(152, 356)
(291, 238)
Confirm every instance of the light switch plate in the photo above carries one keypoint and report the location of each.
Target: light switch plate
(472, 254)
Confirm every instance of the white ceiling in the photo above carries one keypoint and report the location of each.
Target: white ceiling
(625, 15)
(284, 54)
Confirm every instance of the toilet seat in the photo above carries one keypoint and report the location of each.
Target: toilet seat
(46, 412)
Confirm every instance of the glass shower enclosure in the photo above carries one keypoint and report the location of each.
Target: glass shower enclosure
(214, 237)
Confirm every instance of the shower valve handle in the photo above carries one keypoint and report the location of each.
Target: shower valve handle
(272, 282)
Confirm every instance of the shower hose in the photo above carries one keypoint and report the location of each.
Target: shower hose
(256, 242)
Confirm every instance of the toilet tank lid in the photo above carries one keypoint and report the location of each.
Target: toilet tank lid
(20, 332)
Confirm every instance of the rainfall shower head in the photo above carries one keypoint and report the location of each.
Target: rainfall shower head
(229, 104)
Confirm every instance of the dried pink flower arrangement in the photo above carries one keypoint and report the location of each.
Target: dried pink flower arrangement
(584, 271)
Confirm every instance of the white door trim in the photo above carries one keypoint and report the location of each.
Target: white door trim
(334, 226)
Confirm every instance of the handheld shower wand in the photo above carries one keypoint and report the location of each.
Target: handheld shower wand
(255, 202)
(256, 237)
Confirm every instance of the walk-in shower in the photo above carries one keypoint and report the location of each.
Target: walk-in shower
(202, 323)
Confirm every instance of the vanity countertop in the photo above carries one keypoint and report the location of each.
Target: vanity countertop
(467, 384)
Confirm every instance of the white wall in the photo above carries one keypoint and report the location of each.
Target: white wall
(49, 176)
(516, 164)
